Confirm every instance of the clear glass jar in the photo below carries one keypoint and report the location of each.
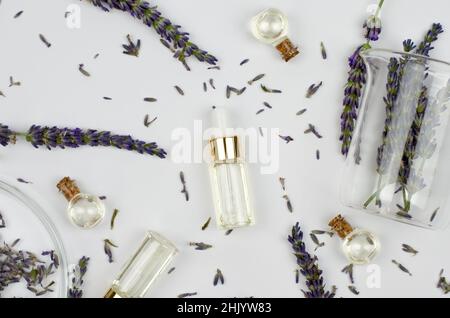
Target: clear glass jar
(143, 268)
(397, 164)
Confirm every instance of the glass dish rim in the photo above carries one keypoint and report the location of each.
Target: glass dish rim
(40, 213)
(367, 52)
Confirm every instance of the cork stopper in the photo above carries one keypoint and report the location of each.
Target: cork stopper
(287, 49)
(340, 226)
(68, 187)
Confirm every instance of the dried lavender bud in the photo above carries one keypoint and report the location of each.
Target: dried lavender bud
(442, 283)
(283, 183)
(184, 295)
(1, 94)
(244, 62)
(321, 232)
(23, 181)
(255, 79)
(206, 224)
(107, 98)
(54, 137)
(147, 121)
(349, 270)
(171, 270)
(228, 232)
(297, 276)
(211, 83)
(183, 183)
(323, 51)
(102, 197)
(218, 278)
(408, 249)
(308, 266)
(267, 105)
(270, 90)
(287, 139)
(200, 246)
(169, 32)
(53, 257)
(44, 40)
(179, 90)
(318, 154)
(316, 241)
(78, 272)
(312, 129)
(401, 267)
(241, 91)
(18, 14)
(132, 48)
(150, 99)
(260, 131)
(260, 111)
(96, 56)
(83, 71)
(13, 83)
(353, 290)
(214, 67)
(288, 203)
(2, 221)
(313, 89)
(301, 112)
(113, 218)
(433, 216)
(107, 248)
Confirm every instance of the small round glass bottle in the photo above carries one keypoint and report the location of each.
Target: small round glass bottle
(84, 210)
(271, 26)
(359, 246)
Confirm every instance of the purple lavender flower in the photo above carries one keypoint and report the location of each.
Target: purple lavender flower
(6, 135)
(169, 32)
(372, 28)
(308, 266)
(77, 282)
(425, 47)
(54, 137)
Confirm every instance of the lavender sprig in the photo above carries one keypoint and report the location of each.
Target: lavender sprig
(54, 137)
(356, 81)
(170, 33)
(308, 266)
(425, 46)
(78, 278)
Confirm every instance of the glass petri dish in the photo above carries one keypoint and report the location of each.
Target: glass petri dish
(27, 220)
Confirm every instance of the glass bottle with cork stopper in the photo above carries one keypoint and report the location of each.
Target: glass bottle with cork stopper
(84, 210)
(359, 246)
(271, 26)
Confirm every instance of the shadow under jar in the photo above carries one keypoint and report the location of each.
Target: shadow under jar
(398, 161)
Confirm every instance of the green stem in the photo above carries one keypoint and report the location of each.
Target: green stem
(380, 4)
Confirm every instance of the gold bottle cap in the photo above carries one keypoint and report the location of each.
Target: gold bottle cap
(68, 187)
(340, 226)
(225, 148)
(287, 49)
(111, 294)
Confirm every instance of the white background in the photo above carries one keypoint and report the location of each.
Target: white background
(257, 261)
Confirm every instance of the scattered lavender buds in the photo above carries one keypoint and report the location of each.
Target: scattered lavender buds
(402, 268)
(205, 87)
(316, 241)
(183, 183)
(54, 137)
(255, 79)
(113, 218)
(96, 55)
(83, 71)
(228, 232)
(184, 295)
(171, 270)
(244, 62)
(231, 89)
(287, 139)
(433, 216)
(214, 68)
(132, 48)
(442, 283)
(218, 278)
(13, 83)
(285, 195)
(211, 83)
(323, 51)
(200, 246)
(107, 98)
(259, 111)
(107, 244)
(408, 249)
(312, 129)
(322, 232)
(266, 104)
(179, 90)
(147, 121)
(206, 224)
(313, 89)
(270, 90)
(176, 39)
(349, 270)
(18, 14)
(44, 40)
(77, 282)
(318, 154)
(150, 99)
(308, 266)
(353, 290)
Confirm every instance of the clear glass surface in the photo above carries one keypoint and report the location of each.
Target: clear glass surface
(145, 266)
(397, 164)
(86, 210)
(360, 247)
(270, 26)
(26, 219)
(231, 195)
